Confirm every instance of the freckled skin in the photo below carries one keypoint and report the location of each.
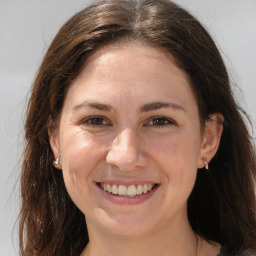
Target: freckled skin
(127, 77)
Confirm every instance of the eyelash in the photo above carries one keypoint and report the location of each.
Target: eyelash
(100, 122)
(92, 121)
(159, 122)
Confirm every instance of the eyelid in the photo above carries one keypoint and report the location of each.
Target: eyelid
(168, 123)
(86, 121)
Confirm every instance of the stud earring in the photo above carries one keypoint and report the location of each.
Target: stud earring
(56, 161)
(206, 166)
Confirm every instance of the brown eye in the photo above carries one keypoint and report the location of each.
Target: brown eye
(159, 122)
(96, 122)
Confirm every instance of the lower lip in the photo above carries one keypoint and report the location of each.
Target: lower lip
(125, 200)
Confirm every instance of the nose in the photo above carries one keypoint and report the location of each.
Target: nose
(126, 153)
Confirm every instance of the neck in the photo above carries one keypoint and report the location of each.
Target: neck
(176, 240)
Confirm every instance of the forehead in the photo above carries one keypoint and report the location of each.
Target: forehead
(131, 69)
(136, 52)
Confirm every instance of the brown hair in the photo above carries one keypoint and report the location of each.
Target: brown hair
(222, 205)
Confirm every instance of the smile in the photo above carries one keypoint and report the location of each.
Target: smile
(127, 191)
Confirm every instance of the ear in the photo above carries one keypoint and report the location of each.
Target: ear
(54, 142)
(211, 138)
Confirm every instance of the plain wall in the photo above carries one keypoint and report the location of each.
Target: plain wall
(26, 30)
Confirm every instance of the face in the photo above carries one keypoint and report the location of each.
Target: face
(129, 140)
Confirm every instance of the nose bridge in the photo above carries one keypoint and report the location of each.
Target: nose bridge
(125, 140)
(125, 152)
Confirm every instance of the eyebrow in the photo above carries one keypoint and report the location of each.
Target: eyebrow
(145, 108)
(94, 105)
(158, 105)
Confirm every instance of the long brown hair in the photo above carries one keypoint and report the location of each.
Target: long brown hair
(222, 205)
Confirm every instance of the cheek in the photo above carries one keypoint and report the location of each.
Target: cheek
(176, 157)
(79, 156)
(177, 152)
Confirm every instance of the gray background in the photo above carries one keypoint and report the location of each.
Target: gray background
(27, 28)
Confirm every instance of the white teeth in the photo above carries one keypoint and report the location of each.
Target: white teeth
(114, 189)
(123, 190)
(145, 188)
(131, 191)
(139, 190)
(109, 188)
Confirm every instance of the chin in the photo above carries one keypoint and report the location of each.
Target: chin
(123, 225)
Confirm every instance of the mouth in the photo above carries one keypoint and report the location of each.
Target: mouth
(127, 190)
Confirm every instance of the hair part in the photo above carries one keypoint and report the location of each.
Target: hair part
(222, 205)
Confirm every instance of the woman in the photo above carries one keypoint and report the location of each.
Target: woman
(130, 108)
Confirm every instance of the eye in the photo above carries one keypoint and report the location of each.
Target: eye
(159, 122)
(95, 121)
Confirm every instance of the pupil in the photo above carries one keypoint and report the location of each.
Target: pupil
(97, 121)
(159, 121)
